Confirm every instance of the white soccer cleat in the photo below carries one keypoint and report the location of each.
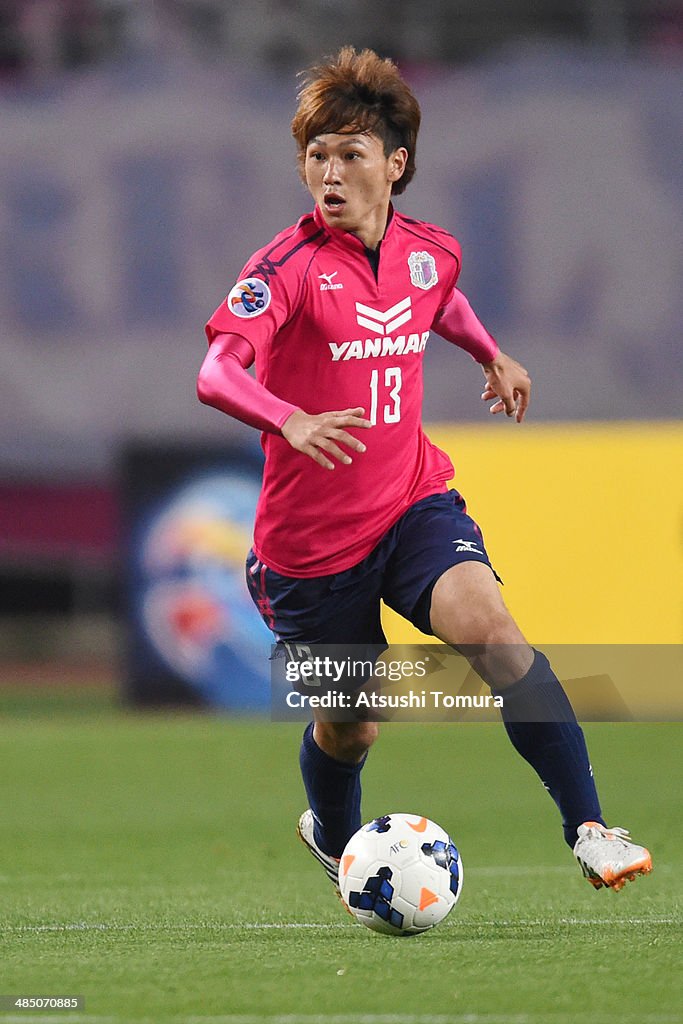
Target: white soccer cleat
(609, 857)
(304, 831)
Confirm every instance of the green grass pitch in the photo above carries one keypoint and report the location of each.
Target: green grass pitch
(150, 865)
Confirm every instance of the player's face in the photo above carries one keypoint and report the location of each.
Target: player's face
(350, 179)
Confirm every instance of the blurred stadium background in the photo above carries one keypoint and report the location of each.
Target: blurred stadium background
(145, 152)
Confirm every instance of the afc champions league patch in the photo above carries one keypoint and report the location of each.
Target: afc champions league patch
(248, 298)
(423, 272)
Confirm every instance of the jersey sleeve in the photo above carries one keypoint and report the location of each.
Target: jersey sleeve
(224, 383)
(452, 279)
(255, 309)
(457, 322)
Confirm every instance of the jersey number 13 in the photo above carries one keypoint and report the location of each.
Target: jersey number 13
(391, 413)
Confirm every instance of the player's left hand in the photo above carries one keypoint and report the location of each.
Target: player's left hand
(508, 381)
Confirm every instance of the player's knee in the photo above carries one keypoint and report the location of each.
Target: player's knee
(497, 651)
(356, 740)
(346, 741)
(501, 628)
(367, 734)
(481, 626)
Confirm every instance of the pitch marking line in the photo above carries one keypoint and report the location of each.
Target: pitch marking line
(84, 926)
(500, 871)
(407, 1018)
(365, 1018)
(63, 1018)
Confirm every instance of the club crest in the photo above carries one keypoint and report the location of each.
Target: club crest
(422, 266)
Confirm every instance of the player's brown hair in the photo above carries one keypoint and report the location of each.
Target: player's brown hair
(359, 92)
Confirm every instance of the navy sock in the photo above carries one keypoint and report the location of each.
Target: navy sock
(542, 727)
(333, 789)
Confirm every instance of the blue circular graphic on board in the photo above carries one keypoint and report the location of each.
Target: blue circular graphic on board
(192, 602)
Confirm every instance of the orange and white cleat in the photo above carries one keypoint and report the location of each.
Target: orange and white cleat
(304, 830)
(609, 857)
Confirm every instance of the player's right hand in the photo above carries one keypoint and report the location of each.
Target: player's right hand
(317, 436)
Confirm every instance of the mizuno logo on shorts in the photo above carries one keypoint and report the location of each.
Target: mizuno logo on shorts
(467, 545)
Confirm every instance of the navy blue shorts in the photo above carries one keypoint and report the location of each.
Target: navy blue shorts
(344, 608)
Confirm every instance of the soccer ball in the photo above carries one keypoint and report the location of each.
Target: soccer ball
(400, 874)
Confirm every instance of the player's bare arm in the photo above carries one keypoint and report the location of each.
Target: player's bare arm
(506, 379)
(509, 382)
(320, 436)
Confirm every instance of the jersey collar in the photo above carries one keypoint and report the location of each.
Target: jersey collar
(347, 238)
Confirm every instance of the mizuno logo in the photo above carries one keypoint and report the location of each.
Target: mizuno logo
(328, 284)
(384, 322)
(467, 545)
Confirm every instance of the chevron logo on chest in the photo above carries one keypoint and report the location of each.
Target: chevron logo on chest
(384, 322)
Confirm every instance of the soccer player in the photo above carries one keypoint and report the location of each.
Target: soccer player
(336, 312)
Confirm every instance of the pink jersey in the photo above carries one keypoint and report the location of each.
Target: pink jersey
(328, 335)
